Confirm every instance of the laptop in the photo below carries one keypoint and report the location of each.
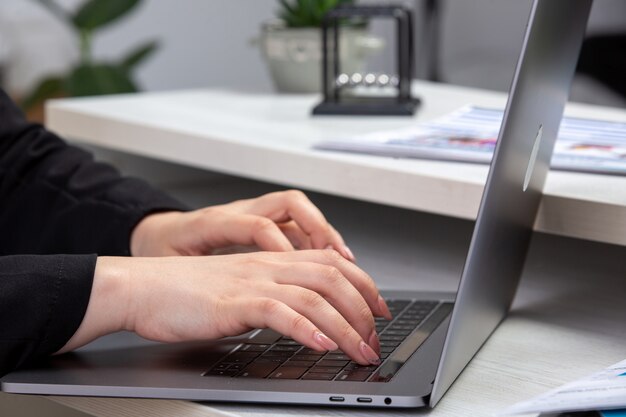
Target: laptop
(431, 338)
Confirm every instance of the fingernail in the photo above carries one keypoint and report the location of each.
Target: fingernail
(324, 341)
(384, 308)
(349, 253)
(374, 342)
(369, 354)
(345, 252)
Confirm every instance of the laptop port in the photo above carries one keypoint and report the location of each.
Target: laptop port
(337, 399)
(364, 400)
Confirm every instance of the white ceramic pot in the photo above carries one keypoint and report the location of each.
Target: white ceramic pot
(294, 55)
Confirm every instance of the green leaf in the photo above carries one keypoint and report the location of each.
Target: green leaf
(287, 7)
(138, 55)
(97, 13)
(307, 13)
(99, 79)
(47, 88)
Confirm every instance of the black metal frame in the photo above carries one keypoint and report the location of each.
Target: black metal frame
(334, 104)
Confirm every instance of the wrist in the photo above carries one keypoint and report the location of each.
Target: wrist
(108, 310)
(146, 237)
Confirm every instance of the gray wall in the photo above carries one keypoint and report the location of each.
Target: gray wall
(204, 43)
(481, 40)
(207, 43)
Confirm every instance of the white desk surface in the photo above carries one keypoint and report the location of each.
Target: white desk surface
(567, 320)
(269, 137)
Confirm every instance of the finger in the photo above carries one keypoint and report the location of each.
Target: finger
(343, 247)
(262, 313)
(315, 308)
(357, 277)
(246, 229)
(295, 205)
(296, 235)
(330, 283)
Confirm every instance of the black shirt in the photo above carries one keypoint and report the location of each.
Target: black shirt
(59, 210)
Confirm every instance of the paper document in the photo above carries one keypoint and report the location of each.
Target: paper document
(604, 390)
(470, 133)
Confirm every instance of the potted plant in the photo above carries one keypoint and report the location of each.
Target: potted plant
(90, 77)
(292, 44)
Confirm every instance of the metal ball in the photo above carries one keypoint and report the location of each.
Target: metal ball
(342, 79)
(356, 79)
(370, 79)
(383, 80)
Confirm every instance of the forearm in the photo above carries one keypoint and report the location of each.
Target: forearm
(57, 199)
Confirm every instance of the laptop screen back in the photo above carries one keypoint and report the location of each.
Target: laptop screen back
(513, 191)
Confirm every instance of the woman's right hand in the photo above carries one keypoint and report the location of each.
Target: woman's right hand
(316, 297)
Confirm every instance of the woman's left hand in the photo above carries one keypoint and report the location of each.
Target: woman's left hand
(279, 221)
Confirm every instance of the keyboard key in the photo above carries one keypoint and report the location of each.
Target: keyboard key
(237, 366)
(288, 342)
(299, 357)
(413, 317)
(318, 376)
(406, 322)
(387, 349)
(401, 327)
(398, 332)
(325, 369)
(353, 376)
(289, 372)
(397, 304)
(278, 354)
(309, 351)
(221, 372)
(253, 348)
(356, 367)
(258, 370)
(221, 366)
(305, 364)
(390, 343)
(285, 348)
(241, 357)
(271, 359)
(332, 363)
(337, 356)
(391, 338)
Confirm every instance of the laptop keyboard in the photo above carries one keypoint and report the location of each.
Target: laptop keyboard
(288, 359)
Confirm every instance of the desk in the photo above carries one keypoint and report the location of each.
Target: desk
(269, 138)
(567, 320)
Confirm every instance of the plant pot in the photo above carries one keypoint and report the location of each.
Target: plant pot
(294, 55)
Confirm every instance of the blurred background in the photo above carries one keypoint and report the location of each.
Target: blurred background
(211, 43)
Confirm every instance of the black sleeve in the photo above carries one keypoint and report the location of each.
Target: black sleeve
(43, 299)
(55, 199)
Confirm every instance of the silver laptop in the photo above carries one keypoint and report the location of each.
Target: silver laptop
(432, 336)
